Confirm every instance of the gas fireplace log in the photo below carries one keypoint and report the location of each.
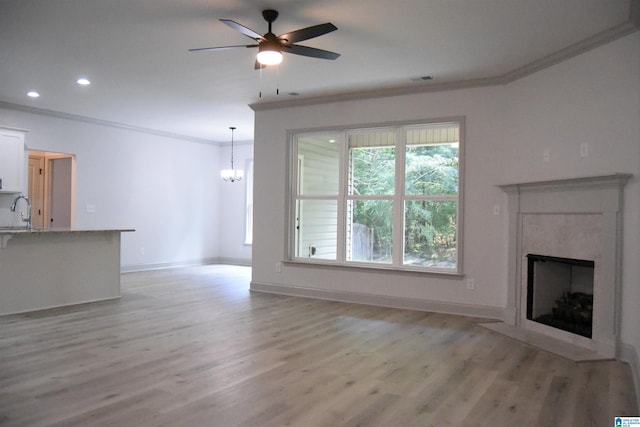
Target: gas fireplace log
(574, 307)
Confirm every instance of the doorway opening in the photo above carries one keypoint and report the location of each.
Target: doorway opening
(51, 188)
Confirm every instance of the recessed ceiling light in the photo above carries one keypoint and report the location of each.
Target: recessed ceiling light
(83, 81)
(33, 94)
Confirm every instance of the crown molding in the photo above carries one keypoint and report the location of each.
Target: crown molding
(13, 129)
(100, 122)
(628, 27)
(590, 43)
(241, 143)
(376, 93)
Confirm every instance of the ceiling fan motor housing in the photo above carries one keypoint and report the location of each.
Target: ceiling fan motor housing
(270, 15)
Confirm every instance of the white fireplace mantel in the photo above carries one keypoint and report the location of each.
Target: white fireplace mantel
(589, 213)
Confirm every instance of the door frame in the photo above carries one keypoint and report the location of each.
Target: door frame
(49, 157)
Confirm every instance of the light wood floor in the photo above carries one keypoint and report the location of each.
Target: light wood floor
(192, 347)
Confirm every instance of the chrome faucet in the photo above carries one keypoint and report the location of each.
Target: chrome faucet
(27, 218)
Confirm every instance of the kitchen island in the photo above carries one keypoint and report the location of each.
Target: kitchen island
(48, 268)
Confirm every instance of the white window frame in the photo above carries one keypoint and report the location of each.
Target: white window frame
(398, 199)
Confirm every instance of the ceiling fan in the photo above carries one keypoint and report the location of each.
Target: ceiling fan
(270, 46)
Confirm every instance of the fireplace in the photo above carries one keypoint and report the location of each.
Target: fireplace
(560, 293)
(566, 231)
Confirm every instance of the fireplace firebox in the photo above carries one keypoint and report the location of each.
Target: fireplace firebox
(560, 293)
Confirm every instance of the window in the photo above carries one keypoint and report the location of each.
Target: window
(379, 197)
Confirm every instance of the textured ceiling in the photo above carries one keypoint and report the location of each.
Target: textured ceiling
(135, 52)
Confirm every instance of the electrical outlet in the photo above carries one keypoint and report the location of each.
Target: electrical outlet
(496, 209)
(471, 284)
(584, 150)
(278, 267)
(546, 155)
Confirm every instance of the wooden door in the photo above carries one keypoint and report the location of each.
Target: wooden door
(36, 193)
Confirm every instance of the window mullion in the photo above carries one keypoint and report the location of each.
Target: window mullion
(398, 199)
(342, 199)
(433, 197)
(294, 177)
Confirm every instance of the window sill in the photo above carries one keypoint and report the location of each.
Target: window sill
(442, 274)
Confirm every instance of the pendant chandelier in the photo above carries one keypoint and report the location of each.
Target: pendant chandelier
(232, 174)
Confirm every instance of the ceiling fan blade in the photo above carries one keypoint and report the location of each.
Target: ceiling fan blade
(244, 30)
(308, 33)
(222, 47)
(310, 51)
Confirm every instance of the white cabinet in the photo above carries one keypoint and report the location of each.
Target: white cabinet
(12, 159)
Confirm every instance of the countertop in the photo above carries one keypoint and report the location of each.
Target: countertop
(6, 233)
(22, 230)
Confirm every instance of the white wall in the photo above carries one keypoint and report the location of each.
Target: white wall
(593, 98)
(233, 197)
(169, 190)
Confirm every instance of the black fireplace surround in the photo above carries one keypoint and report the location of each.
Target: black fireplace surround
(560, 293)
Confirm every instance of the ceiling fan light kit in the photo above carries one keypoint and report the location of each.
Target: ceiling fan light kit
(269, 54)
(270, 46)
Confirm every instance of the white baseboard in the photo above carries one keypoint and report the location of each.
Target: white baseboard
(234, 261)
(205, 261)
(382, 300)
(629, 354)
